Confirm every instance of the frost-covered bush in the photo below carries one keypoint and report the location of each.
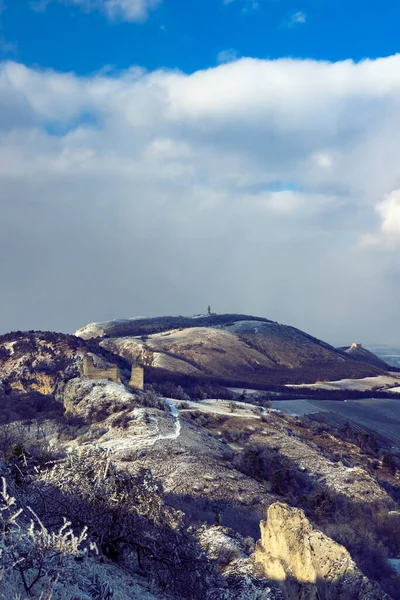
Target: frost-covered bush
(152, 400)
(34, 560)
(126, 516)
(53, 520)
(39, 564)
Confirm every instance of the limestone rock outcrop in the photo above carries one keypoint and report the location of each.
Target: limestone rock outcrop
(307, 563)
(84, 397)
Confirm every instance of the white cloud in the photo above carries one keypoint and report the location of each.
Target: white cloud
(247, 4)
(389, 212)
(250, 183)
(323, 159)
(130, 10)
(124, 10)
(297, 18)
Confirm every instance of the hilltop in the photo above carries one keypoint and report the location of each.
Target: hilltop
(358, 352)
(228, 349)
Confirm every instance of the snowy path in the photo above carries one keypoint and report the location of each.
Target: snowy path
(149, 439)
(177, 426)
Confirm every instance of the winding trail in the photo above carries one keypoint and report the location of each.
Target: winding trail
(177, 425)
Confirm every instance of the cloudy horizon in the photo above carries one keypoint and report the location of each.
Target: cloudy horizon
(262, 186)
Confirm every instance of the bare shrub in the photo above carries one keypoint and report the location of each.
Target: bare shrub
(19, 442)
(264, 463)
(183, 405)
(389, 463)
(93, 434)
(122, 420)
(203, 419)
(151, 400)
(37, 556)
(126, 516)
(226, 554)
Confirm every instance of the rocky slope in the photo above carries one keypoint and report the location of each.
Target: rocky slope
(230, 349)
(37, 361)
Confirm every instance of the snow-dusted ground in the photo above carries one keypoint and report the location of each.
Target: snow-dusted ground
(84, 580)
(248, 326)
(82, 394)
(179, 334)
(98, 329)
(177, 423)
(10, 346)
(356, 484)
(224, 407)
(90, 330)
(299, 408)
(275, 434)
(147, 429)
(365, 384)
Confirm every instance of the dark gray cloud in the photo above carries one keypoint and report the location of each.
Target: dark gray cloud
(267, 187)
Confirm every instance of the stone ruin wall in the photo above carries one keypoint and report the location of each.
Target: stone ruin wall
(112, 373)
(92, 372)
(137, 377)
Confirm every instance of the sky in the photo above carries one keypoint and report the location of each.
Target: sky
(157, 156)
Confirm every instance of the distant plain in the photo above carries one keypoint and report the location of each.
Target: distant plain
(379, 415)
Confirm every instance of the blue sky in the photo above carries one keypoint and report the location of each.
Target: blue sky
(189, 35)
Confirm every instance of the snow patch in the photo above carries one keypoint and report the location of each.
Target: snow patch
(248, 326)
(10, 346)
(365, 384)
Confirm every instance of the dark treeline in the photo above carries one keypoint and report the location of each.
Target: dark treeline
(270, 389)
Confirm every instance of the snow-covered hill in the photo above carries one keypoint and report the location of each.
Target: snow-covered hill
(230, 349)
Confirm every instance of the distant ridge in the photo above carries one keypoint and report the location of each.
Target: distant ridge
(358, 352)
(137, 326)
(229, 349)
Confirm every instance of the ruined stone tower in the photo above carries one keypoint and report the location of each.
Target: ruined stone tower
(89, 369)
(137, 377)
